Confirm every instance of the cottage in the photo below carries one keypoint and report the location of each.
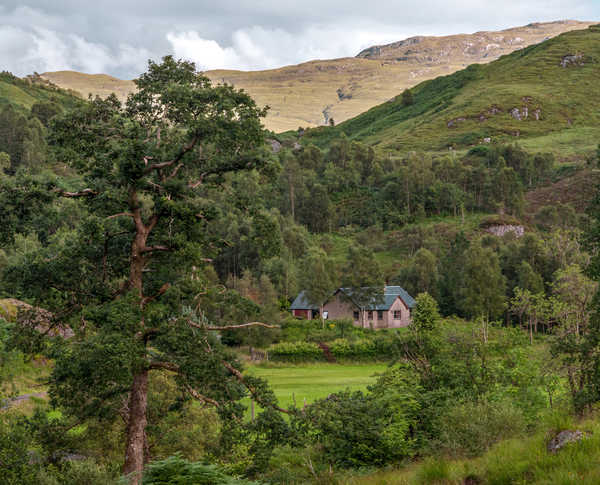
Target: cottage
(390, 310)
(303, 309)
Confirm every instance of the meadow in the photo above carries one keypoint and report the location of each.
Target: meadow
(307, 383)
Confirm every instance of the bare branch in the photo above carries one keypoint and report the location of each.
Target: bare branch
(120, 214)
(251, 389)
(81, 193)
(149, 249)
(230, 327)
(162, 290)
(177, 159)
(243, 325)
(200, 397)
(164, 366)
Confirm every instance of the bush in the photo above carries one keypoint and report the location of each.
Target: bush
(295, 352)
(470, 428)
(357, 429)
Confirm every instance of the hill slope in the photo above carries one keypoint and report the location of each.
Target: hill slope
(311, 93)
(547, 92)
(24, 93)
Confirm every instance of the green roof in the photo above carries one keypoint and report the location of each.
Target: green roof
(389, 296)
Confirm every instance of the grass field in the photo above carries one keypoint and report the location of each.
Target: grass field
(315, 381)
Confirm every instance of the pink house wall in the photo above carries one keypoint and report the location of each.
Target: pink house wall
(337, 308)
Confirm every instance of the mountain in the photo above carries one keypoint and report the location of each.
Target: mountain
(311, 93)
(544, 96)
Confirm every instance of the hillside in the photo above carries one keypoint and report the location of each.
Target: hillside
(24, 93)
(312, 93)
(544, 95)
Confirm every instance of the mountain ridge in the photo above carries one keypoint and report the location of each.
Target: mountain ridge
(543, 96)
(312, 93)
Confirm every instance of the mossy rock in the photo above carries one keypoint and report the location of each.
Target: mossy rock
(8, 310)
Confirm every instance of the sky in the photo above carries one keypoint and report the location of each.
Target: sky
(117, 37)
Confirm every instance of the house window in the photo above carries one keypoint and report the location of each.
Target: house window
(379, 315)
(370, 315)
(356, 316)
(397, 315)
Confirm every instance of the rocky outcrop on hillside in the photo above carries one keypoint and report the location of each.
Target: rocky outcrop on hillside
(469, 48)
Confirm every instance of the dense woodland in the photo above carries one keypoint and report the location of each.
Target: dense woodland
(158, 229)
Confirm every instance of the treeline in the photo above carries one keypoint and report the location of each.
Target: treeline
(348, 184)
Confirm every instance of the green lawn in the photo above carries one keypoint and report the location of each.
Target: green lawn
(315, 381)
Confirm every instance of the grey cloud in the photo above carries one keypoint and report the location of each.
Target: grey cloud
(118, 36)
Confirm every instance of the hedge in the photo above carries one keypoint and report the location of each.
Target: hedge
(378, 348)
(296, 352)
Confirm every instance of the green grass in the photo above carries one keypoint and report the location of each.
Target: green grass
(23, 94)
(531, 77)
(513, 461)
(315, 381)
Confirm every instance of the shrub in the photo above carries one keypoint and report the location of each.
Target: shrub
(296, 352)
(357, 429)
(470, 428)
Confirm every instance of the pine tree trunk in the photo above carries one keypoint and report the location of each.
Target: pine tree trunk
(134, 452)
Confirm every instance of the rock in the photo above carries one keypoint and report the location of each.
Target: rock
(503, 229)
(453, 122)
(562, 439)
(487, 140)
(572, 60)
(275, 145)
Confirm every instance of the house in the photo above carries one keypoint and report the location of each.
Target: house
(390, 310)
(302, 308)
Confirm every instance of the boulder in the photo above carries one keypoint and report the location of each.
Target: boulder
(563, 438)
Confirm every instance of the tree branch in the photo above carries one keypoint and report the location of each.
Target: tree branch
(120, 214)
(230, 327)
(81, 193)
(149, 249)
(200, 397)
(251, 389)
(243, 325)
(164, 366)
(177, 159)
(162, 290)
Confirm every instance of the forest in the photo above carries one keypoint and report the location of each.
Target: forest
(149, 253)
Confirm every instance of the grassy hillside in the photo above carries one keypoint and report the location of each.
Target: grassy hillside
(312, 93)
(24, 93)
(546, 92)
(515, 461)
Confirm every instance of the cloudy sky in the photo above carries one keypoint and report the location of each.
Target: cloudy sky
(119, 36)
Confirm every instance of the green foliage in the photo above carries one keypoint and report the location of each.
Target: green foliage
(296, 352)
(425, 314)
(407, 97)
(357, 429)
(472, 427)
(15, 439)
(178, 471)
